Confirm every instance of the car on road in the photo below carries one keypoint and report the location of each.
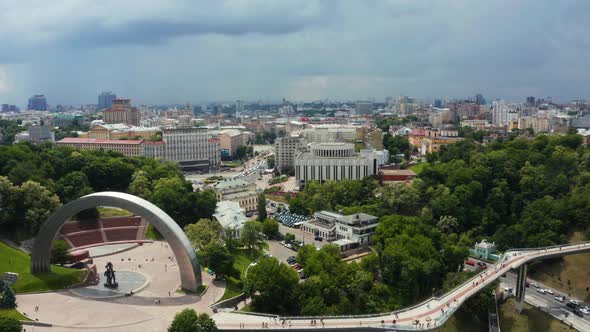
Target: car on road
(534, 284)
(575, 302)
(571, 305)
(560, 298)
(541, 290)
(585, 311)
(470, 262)
(578, 312)
(549, 291)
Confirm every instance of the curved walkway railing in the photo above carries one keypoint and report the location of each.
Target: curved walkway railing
(443, 306)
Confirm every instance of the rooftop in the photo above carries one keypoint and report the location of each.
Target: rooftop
(231, 183)
(81, 140)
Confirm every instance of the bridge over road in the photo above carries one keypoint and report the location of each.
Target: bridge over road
(427, 315)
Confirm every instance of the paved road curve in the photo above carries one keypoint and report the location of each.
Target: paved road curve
(423, 316)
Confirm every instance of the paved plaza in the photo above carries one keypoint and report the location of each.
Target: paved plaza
(150, 309)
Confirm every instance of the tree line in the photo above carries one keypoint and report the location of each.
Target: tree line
(36, 179)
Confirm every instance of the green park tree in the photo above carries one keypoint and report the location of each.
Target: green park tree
(60, 252)
(9, 324)
(270, 227)
(261, 207)
(219, 259)
(272, 286)
(251, 235)
(189, 321)
(203, 232)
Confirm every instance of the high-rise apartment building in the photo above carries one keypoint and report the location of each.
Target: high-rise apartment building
(105, 100)
(504, 113)
(122, 112)
(37, 103)
(286, 149)
(437, 103)
(7, 108)
(530, 101)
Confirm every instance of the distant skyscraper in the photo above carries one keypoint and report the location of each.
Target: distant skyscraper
(37, 103)
(437, 103)
(240, 107)
(530, 101)
(364, 107)
(105, 100)
(479, 99)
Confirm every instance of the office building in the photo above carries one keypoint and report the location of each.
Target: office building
(192, 148)
(37, 103)
(7, 108)
(479, 100)
(105, 100)
(121, 111)
(130, 148)
(437, 103)
(239, 108)
(347, 232)
(530, 101)
(286, 148)
(333, 161)
(364, 107)
(239, 191)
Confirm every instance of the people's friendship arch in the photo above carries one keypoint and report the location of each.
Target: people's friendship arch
(190, 273)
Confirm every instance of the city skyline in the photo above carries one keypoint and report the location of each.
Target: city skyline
(164, 52)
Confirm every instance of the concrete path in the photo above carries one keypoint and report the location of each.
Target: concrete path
(139, 312)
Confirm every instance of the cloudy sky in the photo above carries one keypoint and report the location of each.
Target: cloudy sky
(165, 51)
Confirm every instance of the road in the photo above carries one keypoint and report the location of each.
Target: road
(548, 303)
(427, 315)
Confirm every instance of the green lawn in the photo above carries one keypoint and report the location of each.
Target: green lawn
(12, 313)
(460, 323)
(276, 198)
(570, 274)
(152, 233)
(109, 213)
(233, 163)
(418, 168)
(233, 286)
(13, 260)
(530, 320)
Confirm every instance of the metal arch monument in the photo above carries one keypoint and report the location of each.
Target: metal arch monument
(190, 272)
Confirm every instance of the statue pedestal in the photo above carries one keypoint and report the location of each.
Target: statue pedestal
(113, 285)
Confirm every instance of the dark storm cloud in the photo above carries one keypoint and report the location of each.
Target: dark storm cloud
(169, 51)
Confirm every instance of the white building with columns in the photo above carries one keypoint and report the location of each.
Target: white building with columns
(333, 161)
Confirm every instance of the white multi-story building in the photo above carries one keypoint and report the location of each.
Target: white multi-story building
(333, 161)
(191, 147)
(347, 232)
(504, 113)
(286, 149)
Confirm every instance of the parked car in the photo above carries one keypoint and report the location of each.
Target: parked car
(585, 311)
(541, 290)
(318, 238)
(578, 312)
(470, 262)
(560, 298)
(534, 284)
(571, 305)
(549, 291)
(575, 302)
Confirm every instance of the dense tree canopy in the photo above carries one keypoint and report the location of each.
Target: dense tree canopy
(36, 179)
